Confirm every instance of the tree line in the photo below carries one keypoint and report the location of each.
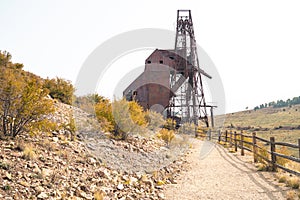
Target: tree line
(279, 103)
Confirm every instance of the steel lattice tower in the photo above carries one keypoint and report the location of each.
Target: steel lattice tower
(188, 101)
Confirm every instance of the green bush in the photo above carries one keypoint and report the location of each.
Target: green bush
(60, 89)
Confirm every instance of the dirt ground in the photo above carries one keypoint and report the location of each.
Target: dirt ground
(214, 173)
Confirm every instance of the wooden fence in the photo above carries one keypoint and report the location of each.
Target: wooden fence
(260, 147)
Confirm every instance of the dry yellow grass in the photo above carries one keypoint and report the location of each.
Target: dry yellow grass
(98, 195)
(293, 182)
(267, 118)
(29, 152)
(166, 135)
(267, 122)
(291, 195)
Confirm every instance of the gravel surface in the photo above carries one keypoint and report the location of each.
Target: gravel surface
(214, 173)
(126, 157)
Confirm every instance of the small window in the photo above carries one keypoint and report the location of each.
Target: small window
(171, 57)
(148, 61)
(161, 62)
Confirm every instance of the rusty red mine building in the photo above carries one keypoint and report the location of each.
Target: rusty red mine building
(171, 83)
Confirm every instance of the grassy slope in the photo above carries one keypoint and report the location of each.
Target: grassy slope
(265, 118)
(266, 122)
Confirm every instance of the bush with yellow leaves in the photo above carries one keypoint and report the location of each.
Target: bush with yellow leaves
(166, 135)
(121, 117)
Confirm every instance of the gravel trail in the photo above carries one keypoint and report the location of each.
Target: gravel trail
(213, 173)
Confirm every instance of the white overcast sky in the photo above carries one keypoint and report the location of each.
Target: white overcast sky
(255, 44)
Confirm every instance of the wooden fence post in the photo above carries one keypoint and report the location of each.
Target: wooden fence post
(226, 133)
(209, 134)
(254, 147)
(219, 136)
(299, 146)
(230, 139)
(273, 156)
(242, 144)
(235, 142)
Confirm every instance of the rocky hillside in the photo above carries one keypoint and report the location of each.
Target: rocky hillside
(58, 165)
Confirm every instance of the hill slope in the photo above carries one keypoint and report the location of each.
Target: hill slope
(57, 166)
(281, 123)
(270, 118)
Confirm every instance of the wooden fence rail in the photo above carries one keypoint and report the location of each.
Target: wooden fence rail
(257, 145)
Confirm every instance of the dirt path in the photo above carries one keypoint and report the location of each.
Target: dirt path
(216, 174)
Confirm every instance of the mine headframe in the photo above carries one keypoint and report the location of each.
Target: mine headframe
(189, 100)
(172, 80)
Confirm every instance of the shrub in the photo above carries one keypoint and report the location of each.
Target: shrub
(43, 125)
(155, 120)
(60, 89)
(290, 195)
(293, 182)
(98, 195)
(28, 152)
(4, 165)
(282, 178)
(121, 117)
(122, 120)
(262, 167)
(103, 110)
(6, 187)
(137, 114)
(23, 101)
(170, 124)
(166, 135)
(70, 127)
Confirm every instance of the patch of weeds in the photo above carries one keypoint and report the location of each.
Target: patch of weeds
(231, 150)
(282, 161)
(262, 167)
(294, 166)
(166, 135)
(63, 154)
(6, 187)
(29, 152)
(48, 145)
(64, 140)
(290, 195)
(20, 146)
(160, 183)
(293, 183)
(263, 152)
(98, 195)
(282, 179)
(4, 166)
(42, 158)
